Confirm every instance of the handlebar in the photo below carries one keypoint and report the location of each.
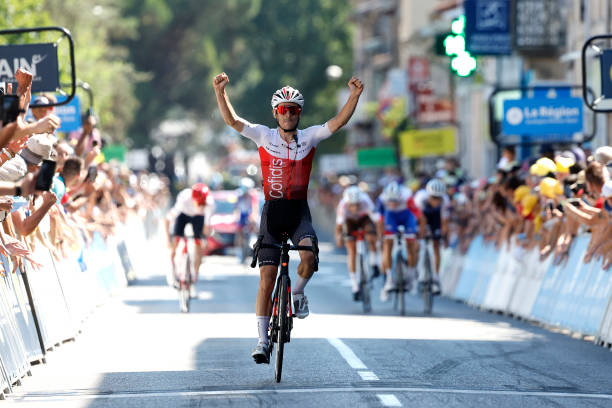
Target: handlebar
(259, 244)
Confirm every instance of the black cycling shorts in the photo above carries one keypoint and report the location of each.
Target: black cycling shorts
(362, 223)
(196, 221)
(278, 216)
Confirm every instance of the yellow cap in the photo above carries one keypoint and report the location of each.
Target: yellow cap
(520, 192)
(563, 164)
(528, 203)
(550, 187)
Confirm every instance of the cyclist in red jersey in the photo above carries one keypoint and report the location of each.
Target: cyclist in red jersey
(286, 155)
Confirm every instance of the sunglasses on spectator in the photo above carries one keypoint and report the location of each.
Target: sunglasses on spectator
(282, 109)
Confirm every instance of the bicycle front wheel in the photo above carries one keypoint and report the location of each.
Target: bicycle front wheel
(364, 286)
(283, 326)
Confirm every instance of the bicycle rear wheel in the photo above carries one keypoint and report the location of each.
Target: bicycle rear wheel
(185, 287)
(364, 286)
(283, 326)
(427, 285)
(399, 276)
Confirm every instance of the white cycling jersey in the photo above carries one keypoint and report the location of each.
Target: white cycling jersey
(405, 194)
(366, 207)
(286, 167)
(185, 205)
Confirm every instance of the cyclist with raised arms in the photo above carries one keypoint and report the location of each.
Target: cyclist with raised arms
(356, 212)
(397, 210)
(193, 206)
(286, 155)
(434, 205)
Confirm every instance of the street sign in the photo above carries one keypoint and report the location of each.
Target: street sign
(428, 142)
(487, 30)
(376, 157)
(542, 116)
(606, 73)
(539, 26)
(39, 59)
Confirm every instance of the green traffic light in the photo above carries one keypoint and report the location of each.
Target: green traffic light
(454, 45)
(463, 64)
(458, 25)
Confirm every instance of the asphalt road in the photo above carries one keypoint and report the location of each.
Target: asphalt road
(139, 351)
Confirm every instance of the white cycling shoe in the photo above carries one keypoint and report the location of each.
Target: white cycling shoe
(300, 306)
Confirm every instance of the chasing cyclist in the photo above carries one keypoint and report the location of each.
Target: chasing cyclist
(397, 209)
(193, 206)
(434, 203)
(286, 155)
(356, 212)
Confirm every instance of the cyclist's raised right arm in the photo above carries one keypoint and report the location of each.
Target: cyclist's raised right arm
(227, 110)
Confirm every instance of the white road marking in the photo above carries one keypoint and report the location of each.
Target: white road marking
(368, 376)
(171, 394)
(347, 354)
(389, 400)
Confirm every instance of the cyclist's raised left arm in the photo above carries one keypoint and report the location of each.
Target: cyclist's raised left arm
(341, 119)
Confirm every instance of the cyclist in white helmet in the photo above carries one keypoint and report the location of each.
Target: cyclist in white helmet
(286, 155)
(433, 203)
(356, 212)
(397, 208)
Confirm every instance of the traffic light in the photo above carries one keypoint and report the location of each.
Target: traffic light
(462, 62)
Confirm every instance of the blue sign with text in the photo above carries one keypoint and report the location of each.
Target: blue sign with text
(606, 74)
(39, 59)
(69, 114)
(487, 27)
(542, 116)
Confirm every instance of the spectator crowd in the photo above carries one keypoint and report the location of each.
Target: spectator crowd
(87, 194)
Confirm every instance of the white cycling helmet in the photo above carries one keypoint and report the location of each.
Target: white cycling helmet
(436, 188)
(352, 195)
(392, 191)
(287, 94)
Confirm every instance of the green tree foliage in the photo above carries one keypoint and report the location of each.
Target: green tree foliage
(261, 45)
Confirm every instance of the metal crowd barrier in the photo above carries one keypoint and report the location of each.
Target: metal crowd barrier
(41, 308)
(573, 295)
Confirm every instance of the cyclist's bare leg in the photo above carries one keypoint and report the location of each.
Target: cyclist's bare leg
(436, 247)
(173, 244)
(387, 262)
(351, 249)
(413, 252)
(305, 269)
(197, 261)
(267, 278)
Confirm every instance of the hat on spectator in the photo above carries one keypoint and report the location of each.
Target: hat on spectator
(563, 163)
(550, 187)
(13, 170)
(606, 191)
(543, 166)
(520, 192)
(41, 100)
(528, 203)
(603, 154)
(38, 147)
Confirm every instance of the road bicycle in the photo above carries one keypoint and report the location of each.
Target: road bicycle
(400, 264)
(281, 320)
(426, 284)
(183, 267)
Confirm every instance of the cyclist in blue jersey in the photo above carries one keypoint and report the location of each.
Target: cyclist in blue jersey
(395, 206)
(433, 202)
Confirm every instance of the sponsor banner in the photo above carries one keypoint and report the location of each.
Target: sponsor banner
(39, 59)
(542, 116)
(428, 142)
(487, 27)
(433, 109)
(69, 114)
(418, 71)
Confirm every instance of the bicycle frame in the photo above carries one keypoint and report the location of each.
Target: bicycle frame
(361, 251)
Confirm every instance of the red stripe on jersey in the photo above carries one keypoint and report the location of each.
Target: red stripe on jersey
(284, 178)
